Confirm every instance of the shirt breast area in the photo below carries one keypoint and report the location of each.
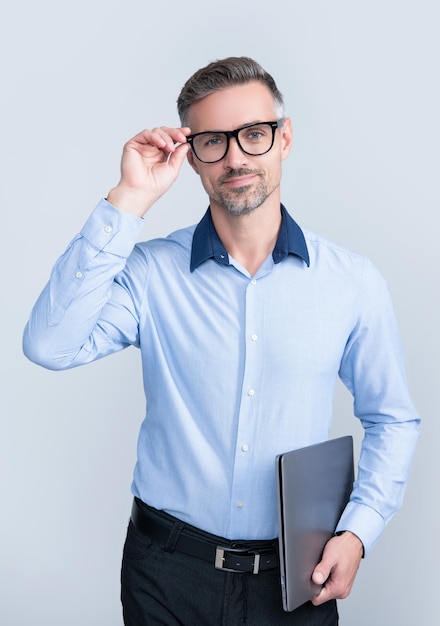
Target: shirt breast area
(206, 323)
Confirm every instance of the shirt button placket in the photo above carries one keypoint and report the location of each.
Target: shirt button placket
(244, 454)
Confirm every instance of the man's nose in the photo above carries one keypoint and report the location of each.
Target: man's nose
(235, 157)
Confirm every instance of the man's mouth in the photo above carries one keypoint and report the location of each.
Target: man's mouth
(240, 181)
(239, 178)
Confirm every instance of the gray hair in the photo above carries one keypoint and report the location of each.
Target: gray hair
(220, 75)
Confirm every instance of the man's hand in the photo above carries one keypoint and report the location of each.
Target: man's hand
(151, 162)
(338, 567)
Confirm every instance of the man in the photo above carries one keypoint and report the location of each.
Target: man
(244, 323)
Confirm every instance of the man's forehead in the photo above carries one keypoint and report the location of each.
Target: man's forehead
(232, 107)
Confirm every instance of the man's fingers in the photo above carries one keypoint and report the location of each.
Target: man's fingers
(163, 137)
(178, 135)
(323, 596)
(151, 162)
(334, 588)
(321, 576)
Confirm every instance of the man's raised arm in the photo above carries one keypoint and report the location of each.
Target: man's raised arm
(83, 313)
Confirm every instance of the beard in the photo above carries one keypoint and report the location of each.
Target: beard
(241, 200)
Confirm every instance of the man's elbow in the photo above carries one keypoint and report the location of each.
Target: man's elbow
(38, 350)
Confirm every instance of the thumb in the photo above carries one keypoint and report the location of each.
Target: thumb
(321, 573)
(177, 157)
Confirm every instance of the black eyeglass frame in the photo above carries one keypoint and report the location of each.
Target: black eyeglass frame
(234, 133)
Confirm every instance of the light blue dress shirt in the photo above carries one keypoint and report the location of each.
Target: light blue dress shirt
(236, 368)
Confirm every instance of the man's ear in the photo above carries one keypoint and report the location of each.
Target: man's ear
(286, 137)
(193, 161)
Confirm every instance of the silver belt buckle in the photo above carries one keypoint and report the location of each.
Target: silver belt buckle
(220, 559)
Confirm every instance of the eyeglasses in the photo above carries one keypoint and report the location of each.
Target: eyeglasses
(253, 139)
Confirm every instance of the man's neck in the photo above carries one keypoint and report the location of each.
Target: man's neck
(249, 238)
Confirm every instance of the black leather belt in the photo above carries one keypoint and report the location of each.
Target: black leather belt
(229, 556)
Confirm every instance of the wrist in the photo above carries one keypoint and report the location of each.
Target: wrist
(354, 537)
(129, 200)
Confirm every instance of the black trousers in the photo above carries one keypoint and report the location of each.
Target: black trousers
(165, 587)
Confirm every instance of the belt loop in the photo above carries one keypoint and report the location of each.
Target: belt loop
(173, 537)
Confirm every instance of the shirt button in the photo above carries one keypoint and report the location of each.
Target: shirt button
(79, 274)
(253, 281)
(251, 392)
(108, 229)
(245, 447)
(254, 337)
(240, 504)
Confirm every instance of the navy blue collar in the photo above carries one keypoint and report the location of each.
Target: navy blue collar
(206, 243)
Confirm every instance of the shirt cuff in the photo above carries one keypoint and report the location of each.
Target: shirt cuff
(364, 522)
(111, 230)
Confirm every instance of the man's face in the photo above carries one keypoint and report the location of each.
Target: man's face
(239, 182)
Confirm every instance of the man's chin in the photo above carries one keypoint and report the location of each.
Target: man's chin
(239, 205)
(241, 209)
(238, 211)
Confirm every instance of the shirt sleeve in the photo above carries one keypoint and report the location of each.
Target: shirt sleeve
(84, 312)
(372, 368)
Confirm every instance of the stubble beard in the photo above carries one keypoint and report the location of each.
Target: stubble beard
(241, 200)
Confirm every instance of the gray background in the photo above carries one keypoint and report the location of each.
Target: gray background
(78, 79)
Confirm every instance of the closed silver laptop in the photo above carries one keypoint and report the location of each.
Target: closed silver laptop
(313, 487)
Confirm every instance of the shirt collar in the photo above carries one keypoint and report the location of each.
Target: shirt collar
(206, 243)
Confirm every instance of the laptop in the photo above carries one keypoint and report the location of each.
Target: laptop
(313, 487)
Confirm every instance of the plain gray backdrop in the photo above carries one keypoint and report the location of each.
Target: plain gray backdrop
(361, 83)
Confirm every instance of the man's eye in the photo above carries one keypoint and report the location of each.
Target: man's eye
(212, 141)
(255, 134)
